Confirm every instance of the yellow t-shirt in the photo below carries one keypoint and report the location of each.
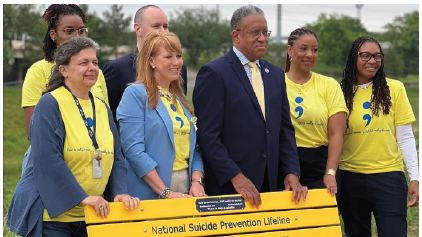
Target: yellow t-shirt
(36, 81)
(311, 105)
(181, 133)
(78, 149)
(370, 144)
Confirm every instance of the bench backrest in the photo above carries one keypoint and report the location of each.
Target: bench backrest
(221, 215)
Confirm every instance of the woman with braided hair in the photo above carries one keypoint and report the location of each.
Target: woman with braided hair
(318, 113)
(63, 21)
(378, 138)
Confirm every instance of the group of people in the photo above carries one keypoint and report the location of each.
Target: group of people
(254, 128)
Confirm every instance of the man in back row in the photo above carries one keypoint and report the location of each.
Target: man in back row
(121, 71)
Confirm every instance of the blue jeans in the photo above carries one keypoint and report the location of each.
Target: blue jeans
(25, 160)
(383, 194)
(64, 229)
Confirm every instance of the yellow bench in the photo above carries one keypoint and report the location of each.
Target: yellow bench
(227, 215)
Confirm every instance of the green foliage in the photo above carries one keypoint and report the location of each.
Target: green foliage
(96, 32)
(201, 32)
(21, 22)
(403, 33)
(335, 36)
(114, 27)
(7, 56)
(15, 145)
(276, 54)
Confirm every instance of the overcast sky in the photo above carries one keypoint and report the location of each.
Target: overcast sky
(373, 16)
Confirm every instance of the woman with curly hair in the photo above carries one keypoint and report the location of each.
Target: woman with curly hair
(378, 138)
(64, 21)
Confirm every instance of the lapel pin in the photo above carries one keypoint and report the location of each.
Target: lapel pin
(266, 70)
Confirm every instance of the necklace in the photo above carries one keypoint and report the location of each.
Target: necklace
(365, 86)
(300, 86)
(165, 94)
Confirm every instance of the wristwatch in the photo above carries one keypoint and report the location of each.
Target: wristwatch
(200, 180)
(331, 172)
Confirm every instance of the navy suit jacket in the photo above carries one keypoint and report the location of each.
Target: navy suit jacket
(119, 73)
(233, 135)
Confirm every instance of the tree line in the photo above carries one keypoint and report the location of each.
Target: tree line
(205, 35)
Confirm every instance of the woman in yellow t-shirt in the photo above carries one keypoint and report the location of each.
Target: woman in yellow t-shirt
(378, 138)
(318, 113)
(64, 21)
(75, 153)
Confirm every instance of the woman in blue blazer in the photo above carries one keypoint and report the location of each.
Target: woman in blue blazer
(157, 126)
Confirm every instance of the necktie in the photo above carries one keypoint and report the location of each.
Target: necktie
(257, 86)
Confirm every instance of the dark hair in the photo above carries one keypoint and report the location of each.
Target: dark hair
(243, 12)
(293, 37)
(380, 98)
(52, 17)
(64, 54)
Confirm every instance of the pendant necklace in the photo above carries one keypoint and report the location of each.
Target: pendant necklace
(299, 90)
(299, 87)
(165, 94)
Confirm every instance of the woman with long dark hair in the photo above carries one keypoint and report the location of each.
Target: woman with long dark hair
(378, 138)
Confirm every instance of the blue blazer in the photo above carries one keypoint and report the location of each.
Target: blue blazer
(119, 73)
(233, 135)
(148, 141)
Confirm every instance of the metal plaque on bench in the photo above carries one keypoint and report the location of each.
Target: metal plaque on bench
(220, 204)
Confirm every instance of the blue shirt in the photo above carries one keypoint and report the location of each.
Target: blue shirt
(244, 61)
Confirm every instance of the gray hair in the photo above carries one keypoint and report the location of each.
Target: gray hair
(63, 55)
(243, 12)
(140, 16)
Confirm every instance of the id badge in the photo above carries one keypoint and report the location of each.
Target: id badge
(97, 164)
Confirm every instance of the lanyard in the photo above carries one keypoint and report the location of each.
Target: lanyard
(90, 133)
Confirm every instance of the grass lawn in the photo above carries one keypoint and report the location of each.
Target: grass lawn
(15, 145)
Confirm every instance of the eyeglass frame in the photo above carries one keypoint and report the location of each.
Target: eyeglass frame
(254, 35)
(85, 29)
(372, 56)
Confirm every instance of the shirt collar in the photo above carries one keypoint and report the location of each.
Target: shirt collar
(243, 60)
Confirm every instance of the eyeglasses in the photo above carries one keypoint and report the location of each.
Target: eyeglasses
(72, 32)
(365, 56)
(256, 33)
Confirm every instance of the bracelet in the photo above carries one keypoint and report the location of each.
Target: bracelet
(168, 194)
(165, 194)
(331, 172)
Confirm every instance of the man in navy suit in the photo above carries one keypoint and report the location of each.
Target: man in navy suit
(121, 71)
(244, 151)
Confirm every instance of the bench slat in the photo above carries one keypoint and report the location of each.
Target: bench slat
(222, 224)
(329, 231)
(171, 208)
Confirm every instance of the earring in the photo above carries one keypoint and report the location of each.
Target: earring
(290, 58)
(153, 67)
(54, 40)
